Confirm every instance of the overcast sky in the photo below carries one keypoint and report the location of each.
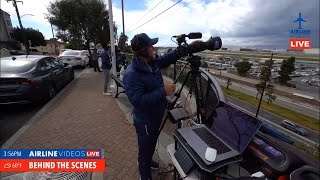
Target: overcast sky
(252, 23)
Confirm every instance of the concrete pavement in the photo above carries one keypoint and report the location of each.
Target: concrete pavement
(82, 117)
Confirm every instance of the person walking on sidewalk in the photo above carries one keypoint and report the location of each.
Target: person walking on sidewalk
(147, 93)
(106, 66)
(95, 62)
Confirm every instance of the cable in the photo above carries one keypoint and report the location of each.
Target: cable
(148, 12)
(155, 16)
(180, 8)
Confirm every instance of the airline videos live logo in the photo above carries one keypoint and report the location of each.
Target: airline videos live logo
(93, 154)
(300, 43)
(300, 37)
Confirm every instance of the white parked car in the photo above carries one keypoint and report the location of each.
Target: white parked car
(74, 58)
(62, 50)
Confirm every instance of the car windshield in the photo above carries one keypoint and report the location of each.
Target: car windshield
(71, 53)
(15, 66)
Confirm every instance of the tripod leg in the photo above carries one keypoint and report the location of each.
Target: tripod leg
(173, 103)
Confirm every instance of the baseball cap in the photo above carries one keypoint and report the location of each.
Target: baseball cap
(141, 41)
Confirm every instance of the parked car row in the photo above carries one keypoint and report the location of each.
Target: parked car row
(32, 79)
(74, 58)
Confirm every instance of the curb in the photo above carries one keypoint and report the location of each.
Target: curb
(13, 138)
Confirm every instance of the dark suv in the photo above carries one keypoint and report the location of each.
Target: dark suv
(293, 127)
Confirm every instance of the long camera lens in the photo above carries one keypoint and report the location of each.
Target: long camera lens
(212, 44)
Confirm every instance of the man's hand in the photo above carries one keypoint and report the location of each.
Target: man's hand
(169, 88)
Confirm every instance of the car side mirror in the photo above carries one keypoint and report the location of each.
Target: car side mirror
(66, 64)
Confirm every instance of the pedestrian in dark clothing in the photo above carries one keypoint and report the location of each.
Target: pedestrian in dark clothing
(120, 60)
(106, 66)
(147, 93)
(95, 62)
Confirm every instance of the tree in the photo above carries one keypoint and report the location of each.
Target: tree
(123, 43)
(229, 82)
(85, 20)
(243, 67)
(264, 78)
(287, 67)
(204, 65)
(259, 88)
(265, 73)
(270, 93)
(35, 36)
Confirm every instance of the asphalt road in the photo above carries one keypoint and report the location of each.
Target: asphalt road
(305, 88)
(312, 135)
(13, 117)
(284, 102)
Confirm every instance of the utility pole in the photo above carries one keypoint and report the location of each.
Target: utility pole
(123, 33)
(54, 41)
(26, 44)
(264, 86)
(113, 55)
(221, 65)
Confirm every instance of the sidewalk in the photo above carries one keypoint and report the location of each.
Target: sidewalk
(81, 117)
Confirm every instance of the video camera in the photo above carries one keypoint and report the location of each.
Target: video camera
(214, 43)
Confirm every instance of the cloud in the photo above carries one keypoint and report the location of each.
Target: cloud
(38, 8)
(237, 22)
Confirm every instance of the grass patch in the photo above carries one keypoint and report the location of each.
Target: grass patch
(276, 109)
(312, 151)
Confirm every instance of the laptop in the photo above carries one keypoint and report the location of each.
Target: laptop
(228, 130)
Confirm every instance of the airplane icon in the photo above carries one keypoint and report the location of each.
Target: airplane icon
(300, 19)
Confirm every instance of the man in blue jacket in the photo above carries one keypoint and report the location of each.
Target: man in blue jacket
(147, 93)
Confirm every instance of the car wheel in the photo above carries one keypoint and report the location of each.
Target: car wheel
(72, 75)
(51, 91)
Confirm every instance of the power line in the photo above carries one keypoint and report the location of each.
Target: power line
(148, 12)
(156, 16)
(180, 8)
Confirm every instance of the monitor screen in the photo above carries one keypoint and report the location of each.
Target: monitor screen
(234, 126)
(208, 95)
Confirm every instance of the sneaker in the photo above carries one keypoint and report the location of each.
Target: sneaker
(109, 91)
(107, 94)
(154, 165)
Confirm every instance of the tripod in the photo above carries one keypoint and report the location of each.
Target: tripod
(195, 86)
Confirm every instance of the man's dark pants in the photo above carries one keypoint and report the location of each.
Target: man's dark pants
(95, 64)
(147, 140)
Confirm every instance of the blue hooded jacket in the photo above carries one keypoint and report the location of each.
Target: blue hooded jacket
(105, 60)
(145, 90)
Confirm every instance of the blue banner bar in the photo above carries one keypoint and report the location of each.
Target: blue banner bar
(50, 154)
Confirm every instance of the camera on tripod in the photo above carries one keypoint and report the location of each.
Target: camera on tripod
(178, 114)
(214, 43)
